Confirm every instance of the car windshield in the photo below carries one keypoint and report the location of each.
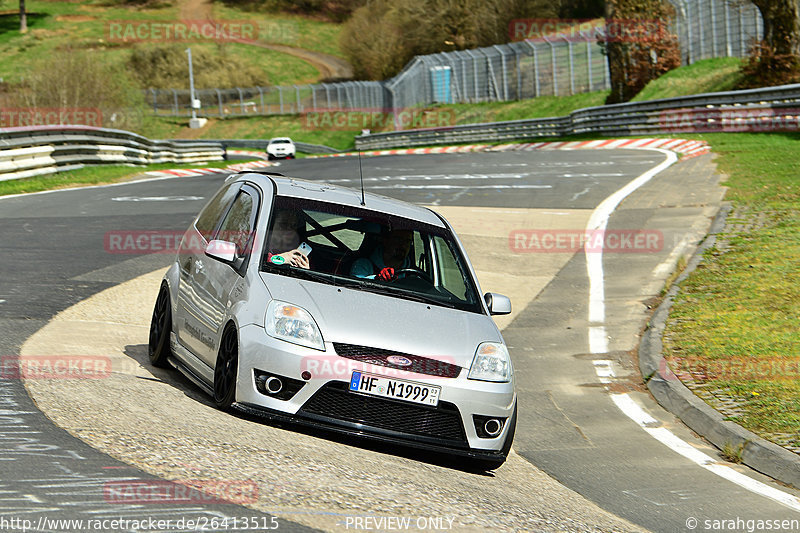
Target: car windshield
(352, 247)
(279, 141)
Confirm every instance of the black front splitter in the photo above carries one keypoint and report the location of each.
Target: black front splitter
(484, 459)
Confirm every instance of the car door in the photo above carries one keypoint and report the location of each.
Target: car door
(214, 279)
(191, 260)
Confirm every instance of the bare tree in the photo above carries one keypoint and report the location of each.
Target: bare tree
(776, 59)
(638, 45)
(781, 25)
(23, 17)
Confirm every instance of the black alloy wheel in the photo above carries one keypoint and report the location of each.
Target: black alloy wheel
(225, 371)
(160, 329)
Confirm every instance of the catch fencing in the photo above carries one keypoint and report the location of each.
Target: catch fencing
(565, 62)
(755, 110)
(715, 28)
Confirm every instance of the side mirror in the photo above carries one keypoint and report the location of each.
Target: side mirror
(223, 250)
(497, 303)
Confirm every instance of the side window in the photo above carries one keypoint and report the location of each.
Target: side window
(452, 278)
(238, 224)
(209, 217)
(418, 251)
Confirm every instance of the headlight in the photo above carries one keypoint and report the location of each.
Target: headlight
(491, 363)
(293, 324)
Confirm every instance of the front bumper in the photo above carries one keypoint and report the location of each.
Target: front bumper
(323, 400)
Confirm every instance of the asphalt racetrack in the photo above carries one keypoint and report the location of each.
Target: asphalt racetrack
(581, 461)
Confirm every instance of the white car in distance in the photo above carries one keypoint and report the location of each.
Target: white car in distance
(281, 148)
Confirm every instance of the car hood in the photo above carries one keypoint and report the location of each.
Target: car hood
(363, 318)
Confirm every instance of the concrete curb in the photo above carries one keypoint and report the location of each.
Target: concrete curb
(673, 395)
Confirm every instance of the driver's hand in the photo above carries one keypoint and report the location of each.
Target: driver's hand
(386, 274)
(295, 258)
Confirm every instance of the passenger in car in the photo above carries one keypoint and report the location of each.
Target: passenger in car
(287, 234)
(389, 256)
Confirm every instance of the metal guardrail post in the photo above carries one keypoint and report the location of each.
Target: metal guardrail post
(728, 51)
(261, 97)
(757, 18)
(535, 68)
(553, 65)
(219, 101)
(571, 67)
(474, 74)
(504, 71)
(713, 29)
(741, 30)
(241, 101)
(174, 103)
(701, 28)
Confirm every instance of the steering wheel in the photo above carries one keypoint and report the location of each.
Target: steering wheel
(413, 271)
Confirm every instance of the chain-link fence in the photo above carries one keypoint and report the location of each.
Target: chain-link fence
(549, 65)
(715, 28)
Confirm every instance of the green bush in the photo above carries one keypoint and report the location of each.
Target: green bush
(80, 80)
(167, 67)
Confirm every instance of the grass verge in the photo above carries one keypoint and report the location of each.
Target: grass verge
(706, 76)
(92, 175)
(733, 326)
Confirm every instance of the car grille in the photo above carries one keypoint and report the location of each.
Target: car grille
(378, 357)
(441, 423)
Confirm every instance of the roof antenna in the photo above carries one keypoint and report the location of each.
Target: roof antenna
(361, 175)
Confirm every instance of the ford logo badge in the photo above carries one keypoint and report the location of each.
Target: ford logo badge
(399, 360)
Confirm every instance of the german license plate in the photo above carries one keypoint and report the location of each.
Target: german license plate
(398, 389)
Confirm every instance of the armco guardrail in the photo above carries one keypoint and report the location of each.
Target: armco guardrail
(261, 144)
(766, 109)
(38, 150)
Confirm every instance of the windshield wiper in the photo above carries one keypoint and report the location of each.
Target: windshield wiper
(380, 288)
(312, 275)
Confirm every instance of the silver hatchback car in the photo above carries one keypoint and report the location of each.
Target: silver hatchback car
(352, 312)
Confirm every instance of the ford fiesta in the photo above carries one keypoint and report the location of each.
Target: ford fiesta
(305, 302)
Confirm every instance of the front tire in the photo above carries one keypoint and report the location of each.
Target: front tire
(160, 329)
(226, 370)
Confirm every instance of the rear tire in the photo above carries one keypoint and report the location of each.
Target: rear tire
(226, 370)
(160, 329)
